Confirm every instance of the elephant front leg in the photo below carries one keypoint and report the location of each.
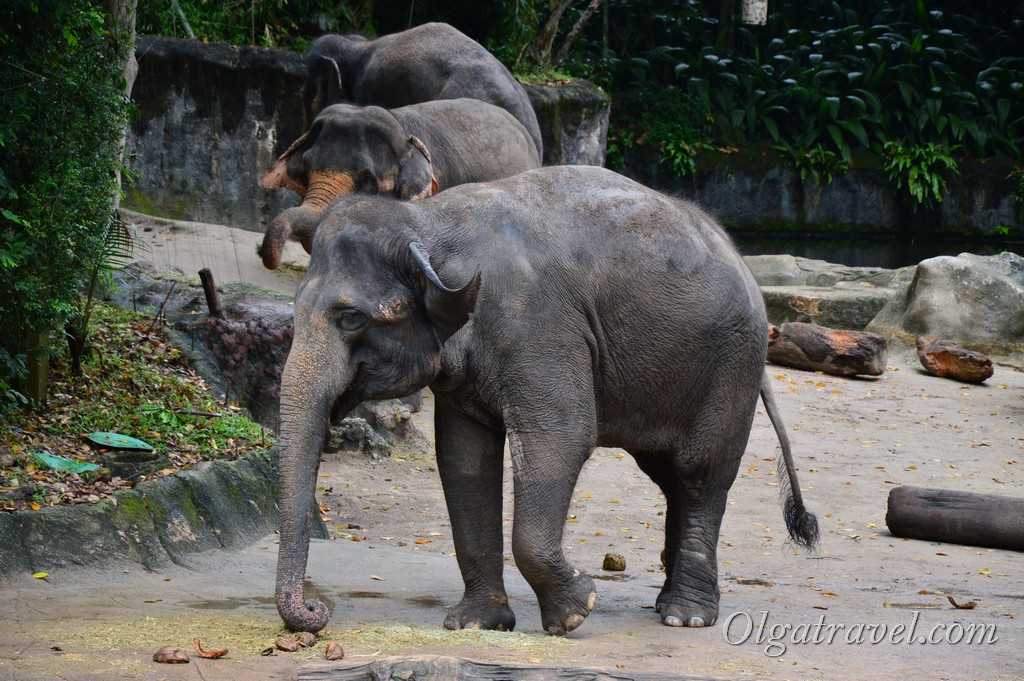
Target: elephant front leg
(546, 467)
(469, 458)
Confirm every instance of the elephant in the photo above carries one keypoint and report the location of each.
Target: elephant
(564, 308)
(410, 152)
(428, 62)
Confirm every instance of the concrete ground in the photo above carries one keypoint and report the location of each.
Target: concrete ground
(389, 571)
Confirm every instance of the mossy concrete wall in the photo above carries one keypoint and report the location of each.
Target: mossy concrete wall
(756, 189)
(212, 118)
(219, 504)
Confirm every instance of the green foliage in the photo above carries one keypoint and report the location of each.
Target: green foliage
(825, 76)
(816, 163)
(62, 113)
(278, 23)
(672, 121)
(139, 385)
(920, 169)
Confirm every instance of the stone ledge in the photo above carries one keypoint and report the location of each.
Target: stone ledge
(837, 308)
(218, 504)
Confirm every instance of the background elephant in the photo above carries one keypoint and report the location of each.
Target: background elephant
(410, 152)
(567, 308)
(429, 62)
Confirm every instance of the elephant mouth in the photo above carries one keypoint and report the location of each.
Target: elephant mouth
(300, 223)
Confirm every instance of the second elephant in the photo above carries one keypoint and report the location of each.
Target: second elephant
(410, 152)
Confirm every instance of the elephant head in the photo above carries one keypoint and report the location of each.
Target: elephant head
(347, 149)
(371, 316)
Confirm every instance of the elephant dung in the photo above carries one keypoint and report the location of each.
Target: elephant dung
(946, 359)
(614, 562)
(818, 348)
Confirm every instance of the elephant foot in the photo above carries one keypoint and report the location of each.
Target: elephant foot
(569, 606)
(487, 612)
(685, 612)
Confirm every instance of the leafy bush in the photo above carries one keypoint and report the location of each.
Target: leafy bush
(826, 78)
(270, 24)
(921, 169)
(61, 116)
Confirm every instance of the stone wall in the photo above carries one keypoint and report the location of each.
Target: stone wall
(755, 189)
(213, 117)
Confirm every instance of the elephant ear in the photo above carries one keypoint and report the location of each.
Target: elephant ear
(416, 179)
(448, 308)
(323, 87)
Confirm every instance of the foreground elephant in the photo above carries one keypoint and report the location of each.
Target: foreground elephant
(373, 150)
(428, 62)
(567, 308)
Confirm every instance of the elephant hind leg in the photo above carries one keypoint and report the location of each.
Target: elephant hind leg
(695, 480)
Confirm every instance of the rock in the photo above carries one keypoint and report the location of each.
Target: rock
(949, 360)
(573, 120)
(354, 434)
(817, 348)
(976, 301)
(788, 270)
(170, 655)
(614, 562)
(844, 308)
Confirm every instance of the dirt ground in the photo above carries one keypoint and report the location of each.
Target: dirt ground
(389, 571)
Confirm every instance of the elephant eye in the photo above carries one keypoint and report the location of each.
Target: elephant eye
(350, 319)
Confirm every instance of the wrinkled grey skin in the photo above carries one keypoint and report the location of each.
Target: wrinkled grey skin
(465, 140)
(567, 308)
(427, 62)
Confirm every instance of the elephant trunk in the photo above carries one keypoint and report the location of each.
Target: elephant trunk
(299, 223)
(308, 390)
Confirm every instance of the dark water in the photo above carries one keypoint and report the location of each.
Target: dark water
(868, 250)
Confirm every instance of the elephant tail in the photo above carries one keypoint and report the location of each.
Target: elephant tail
(801, 523)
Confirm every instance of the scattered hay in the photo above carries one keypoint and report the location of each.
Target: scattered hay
(248, 636)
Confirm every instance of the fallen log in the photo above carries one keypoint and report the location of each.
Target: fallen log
(954, 517)
(441, 668)
(946, 359)
(818, 348)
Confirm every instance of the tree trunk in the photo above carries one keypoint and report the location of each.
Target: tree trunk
(563, 52)
(121, 28)
(540, 50)
(754, 12)
(956, 517)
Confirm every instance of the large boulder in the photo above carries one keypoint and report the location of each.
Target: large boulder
(573, 120)
(977, 301)
(818, 292)
(248, 348)
(788, 270)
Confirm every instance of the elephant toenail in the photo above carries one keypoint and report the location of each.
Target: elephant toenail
(591, 600)
(695, 622)
(672, 621)
(573, 621)
(471, 625)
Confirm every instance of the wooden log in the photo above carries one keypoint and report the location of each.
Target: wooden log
(818, 348)
(946, 359)
(988, 520)
(441, 668)
(210, 291)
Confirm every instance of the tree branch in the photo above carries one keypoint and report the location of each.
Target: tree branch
(575, 31)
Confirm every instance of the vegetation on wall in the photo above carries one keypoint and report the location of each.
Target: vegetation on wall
(62, 114)
(824, 80)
